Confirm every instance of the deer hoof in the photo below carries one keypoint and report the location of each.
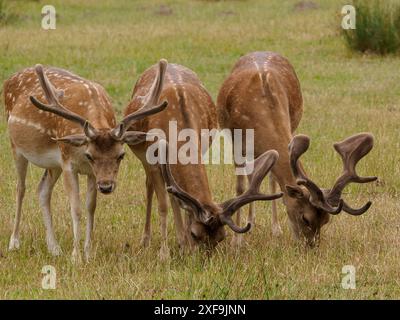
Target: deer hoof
(87, 256)
(277, 231)
(87, 250)
(237, 240)
(164, 253)
(55, 250)
(14, 243)
(145, 242)
(76, 257)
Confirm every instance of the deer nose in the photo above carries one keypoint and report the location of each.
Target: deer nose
(105, 186)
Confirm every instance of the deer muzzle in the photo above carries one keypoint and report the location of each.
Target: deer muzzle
(106, 187)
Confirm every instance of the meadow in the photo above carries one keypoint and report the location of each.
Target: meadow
(113, 42)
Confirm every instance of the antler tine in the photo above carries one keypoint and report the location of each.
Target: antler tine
(155, 90)
(229, 222)
(298, 146)
(318, 197)
(150, 101)
(47, 87)
(351, 150)
(356, 212)
(172, 185)
(262, 166)
(55, 106)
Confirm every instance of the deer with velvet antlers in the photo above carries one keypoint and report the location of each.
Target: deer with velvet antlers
(263, 93)
(190, 106)
(66, 125)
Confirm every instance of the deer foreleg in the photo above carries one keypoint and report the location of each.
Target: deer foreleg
(21, 165)
(45, 190)
(276, 228)
(180, 230)
(91, 201)
(240, 186)
(149, 202)
(71, 185)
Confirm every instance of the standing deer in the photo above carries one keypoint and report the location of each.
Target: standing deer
(190, 106)
(263, 93)
(75, 133)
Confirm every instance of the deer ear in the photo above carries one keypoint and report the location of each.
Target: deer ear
(294, 192)
(134, 137)
(76, 140)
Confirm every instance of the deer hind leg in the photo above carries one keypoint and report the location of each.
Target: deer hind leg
(162, 198)
(91, 202)
(21, 164)
(240, 188)
(45, 190)
(71, 184)
(149, 202)
(276, 228)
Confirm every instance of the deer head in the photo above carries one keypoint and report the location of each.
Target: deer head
(309, 207)
(103, 146)
(207, 225)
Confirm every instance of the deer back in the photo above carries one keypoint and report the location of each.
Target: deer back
(32, 129)
(262, 93)
(190, 105)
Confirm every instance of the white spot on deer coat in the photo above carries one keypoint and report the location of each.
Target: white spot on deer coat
(14, 119)
(74, 130)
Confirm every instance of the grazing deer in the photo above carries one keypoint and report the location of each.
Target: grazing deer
(263, 93)
(190, 106)
(75, 133)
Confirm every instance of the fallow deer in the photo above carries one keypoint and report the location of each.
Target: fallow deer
(263, 93)
(190, 106)
(75, 133)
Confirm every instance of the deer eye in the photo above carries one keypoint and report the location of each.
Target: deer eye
(121, 156)
(89, 157)
(194, 236)
(306, 221)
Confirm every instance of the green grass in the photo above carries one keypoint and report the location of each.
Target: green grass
(3, 12)
(112, 42)
(377, 27)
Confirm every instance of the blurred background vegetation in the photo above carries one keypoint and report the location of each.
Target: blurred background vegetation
(377, 27)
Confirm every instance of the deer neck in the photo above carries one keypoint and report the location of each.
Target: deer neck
(283, 173)
(100, 119)
(195, 182)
